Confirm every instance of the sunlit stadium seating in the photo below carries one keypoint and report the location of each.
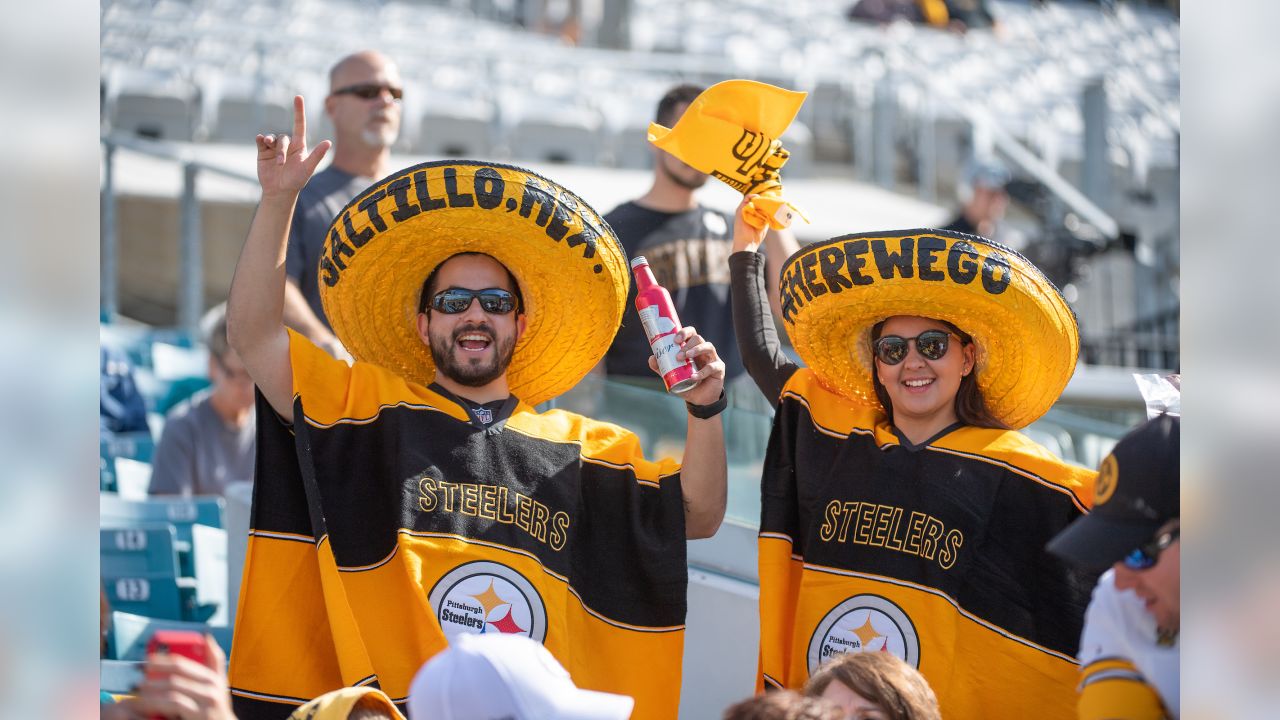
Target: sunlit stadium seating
(140, 571)
(199, 545)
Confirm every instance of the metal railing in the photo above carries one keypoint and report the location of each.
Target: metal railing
(190, 300)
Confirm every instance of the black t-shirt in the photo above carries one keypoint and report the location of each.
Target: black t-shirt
(689, 255)
(960, 223)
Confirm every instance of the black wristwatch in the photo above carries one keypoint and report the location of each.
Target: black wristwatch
(706, 412)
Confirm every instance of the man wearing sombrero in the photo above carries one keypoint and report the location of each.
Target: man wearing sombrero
(417, 494)
(900, 511)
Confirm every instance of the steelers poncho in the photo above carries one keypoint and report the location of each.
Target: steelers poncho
(384, 521)
(933, 552)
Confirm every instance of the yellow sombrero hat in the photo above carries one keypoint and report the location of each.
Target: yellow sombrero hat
(571, 269)
(1027, 339)
(337, 705)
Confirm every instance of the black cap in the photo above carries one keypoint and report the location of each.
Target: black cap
(1137, 492)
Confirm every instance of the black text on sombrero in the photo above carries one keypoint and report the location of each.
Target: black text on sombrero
(835, 267)
(425, 190)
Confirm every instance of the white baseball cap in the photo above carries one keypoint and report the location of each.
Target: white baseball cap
(505, 677)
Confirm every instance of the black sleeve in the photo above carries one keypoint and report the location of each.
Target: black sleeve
(758, 342)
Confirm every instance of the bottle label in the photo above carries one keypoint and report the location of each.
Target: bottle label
(665, 349)
(655, 323)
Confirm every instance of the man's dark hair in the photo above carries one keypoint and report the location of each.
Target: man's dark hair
(429, 285)
(675, 97)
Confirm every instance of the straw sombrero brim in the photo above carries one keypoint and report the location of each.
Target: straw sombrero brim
(570, 268)
(1026, 335)
(337, 704)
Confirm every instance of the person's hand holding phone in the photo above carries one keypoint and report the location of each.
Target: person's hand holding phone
(185, 678)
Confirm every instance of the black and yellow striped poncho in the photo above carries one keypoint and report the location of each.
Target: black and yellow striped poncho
(384, 521)
(932, 552)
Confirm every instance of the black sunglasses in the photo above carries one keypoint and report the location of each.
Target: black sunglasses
(1146, 556)
(369, 91)
(456, 300)
(931, 344)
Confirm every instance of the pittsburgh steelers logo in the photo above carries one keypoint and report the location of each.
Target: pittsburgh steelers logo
(484, 597)
(1108, 474)
(864, 623)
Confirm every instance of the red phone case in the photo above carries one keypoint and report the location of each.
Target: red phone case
(186, 643)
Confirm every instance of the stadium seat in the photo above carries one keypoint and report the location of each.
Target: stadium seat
(552, 132)
(181, 512)
(630, 146)
(134, 445)
(132, 478)
(237, 110)
(456, 127)
(179, 391)
(119, 677)
(798, 140)
(140, 571)
(153, 103)
(200, 543)
(130, 634)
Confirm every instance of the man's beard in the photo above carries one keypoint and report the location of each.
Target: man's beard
(684, 182)
(471, 373)
(380, 137)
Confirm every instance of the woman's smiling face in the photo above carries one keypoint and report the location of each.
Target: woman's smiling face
(923, 390)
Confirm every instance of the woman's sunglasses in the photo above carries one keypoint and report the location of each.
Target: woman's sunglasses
(495, 301)
(931, 344)
(1146, 556)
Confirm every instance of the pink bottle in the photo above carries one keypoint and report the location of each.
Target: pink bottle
(658, 315)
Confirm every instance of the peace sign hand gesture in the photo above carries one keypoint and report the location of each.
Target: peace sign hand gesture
(284, 166)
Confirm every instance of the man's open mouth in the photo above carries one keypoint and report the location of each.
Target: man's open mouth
(474, 342)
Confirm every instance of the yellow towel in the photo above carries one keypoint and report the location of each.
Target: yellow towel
(731, 132)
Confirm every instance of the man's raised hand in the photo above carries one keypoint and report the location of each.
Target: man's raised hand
(284, 166)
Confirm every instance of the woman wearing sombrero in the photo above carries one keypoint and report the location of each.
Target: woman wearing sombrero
(901, 511)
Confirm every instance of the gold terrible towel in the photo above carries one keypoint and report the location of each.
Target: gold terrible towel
(731, 132)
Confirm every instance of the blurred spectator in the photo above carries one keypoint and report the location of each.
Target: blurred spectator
(122, 408)
(875, 685)
(965, 15)
(924, 12)
(784, 705)
(505, 676)
(687, 245)
(1129, 647)
(208, 440)
(984, 200)
(957, 15)
(104, 621)
(364, 106)
(353, 703)
(177, 687)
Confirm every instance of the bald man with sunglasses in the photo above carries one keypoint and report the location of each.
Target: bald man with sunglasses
(364, 106)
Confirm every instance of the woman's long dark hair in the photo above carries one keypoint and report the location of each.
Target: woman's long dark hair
(971, 408)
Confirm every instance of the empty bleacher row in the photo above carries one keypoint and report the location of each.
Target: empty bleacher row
(220, 72)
